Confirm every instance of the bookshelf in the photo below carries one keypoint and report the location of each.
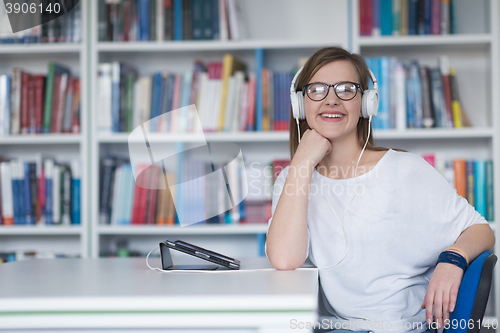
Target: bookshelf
(476, 57)
(279, 30)
(71, 240)
(281, 46)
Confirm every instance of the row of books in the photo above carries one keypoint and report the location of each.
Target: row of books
(43, 192)
(37, 103)
(124, 202)
(164, 20)
(59, 28)
(226, 96)
(413, 17)
(27, 255)
(473, 180)
(417, 96)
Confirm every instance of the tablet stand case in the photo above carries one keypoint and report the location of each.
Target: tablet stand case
(168, 265)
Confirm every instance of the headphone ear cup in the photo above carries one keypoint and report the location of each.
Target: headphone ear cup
(369, 103)
(302, 112)
(297, 101)
(295, 104)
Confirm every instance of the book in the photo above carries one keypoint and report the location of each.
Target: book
(427, 110)
(455, 99)
(6, 195)
(66, 194)
(403, 28)
(104, 98)
(15, 101)
(490, 205)
(480, 187)
(438, 103)
(230, 65)
(365, 17)
(49, 177)
(386, 17)
(75, 192)
(53, 96)
(459, 166)
(108, 168)
(470, 174)
(5, 108)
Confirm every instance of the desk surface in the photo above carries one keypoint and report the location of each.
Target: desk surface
(127, 285)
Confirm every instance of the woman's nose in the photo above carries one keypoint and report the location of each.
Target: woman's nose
(332, 98)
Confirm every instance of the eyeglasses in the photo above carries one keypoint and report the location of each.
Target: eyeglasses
(317, 91)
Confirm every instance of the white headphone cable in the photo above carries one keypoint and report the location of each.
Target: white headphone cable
(298, 129)
(273, 269)
(355, 193)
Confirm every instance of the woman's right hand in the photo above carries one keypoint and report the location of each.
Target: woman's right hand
(313, 147)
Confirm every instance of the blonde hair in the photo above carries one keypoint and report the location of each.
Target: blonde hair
(319, 59)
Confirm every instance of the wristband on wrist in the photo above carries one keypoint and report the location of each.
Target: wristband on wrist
(461, 251)
(454, 258)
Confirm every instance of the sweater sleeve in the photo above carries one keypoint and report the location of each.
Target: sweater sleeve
(277, 190)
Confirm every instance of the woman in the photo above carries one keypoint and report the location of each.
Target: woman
(379, 226)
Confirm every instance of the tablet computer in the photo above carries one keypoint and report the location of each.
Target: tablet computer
(202, 253)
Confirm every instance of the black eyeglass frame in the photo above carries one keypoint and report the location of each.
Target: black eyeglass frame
(334, 86)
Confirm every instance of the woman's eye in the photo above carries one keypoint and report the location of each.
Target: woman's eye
(319, 89)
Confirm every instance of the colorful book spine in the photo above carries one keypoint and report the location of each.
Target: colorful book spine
(471, 190)
(480, 187)
(386, 17)
(460, 169)
(490, 203)
(75, 193)
(178, 19)
(49, 176)
(50, 93)
(7, 197)
(455, 104)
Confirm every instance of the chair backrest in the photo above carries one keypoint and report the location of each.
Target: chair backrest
(473, 295)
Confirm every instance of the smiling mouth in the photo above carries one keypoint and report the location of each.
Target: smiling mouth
(335, 115)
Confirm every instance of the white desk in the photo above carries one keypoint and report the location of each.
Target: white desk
(119, 293)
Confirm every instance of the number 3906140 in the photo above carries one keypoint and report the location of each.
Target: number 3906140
(32, 8)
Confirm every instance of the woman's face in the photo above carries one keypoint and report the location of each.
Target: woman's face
(348, 111)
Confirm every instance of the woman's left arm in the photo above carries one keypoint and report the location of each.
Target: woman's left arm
(445, 280)
(475, 240)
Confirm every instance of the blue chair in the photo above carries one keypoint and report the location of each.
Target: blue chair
(473, 295)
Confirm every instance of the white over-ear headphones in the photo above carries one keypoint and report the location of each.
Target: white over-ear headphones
(369, 102)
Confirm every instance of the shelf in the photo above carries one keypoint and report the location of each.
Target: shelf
(210, 45)
(434, 133)
(187, 137)
(40, 139)
(438, 40)
(283, 136)
(40, 230)
(238, 229)
(40, 48)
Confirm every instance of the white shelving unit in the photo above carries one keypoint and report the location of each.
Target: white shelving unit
(34, 58)
(476, 58)
(282, 30)
(282, 44)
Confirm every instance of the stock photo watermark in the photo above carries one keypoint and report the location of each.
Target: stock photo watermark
(24, 14)
(214, 184)
(362, 324)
